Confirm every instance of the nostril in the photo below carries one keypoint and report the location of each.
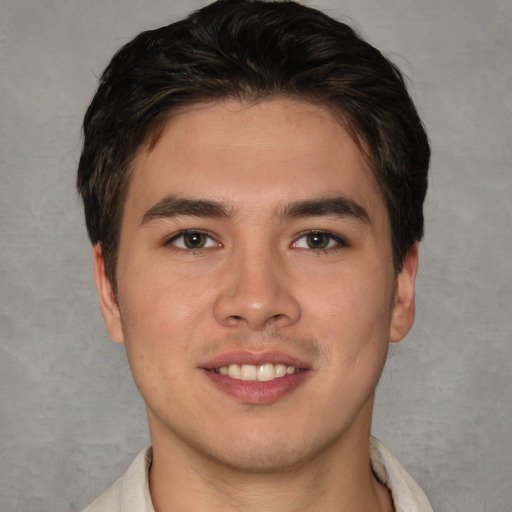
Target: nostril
(278, 319)
(234, 320)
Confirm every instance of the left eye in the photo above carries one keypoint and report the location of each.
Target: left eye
(193, 240)
(318, 240)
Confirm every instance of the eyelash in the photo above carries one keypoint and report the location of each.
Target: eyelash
(339, 241)
(182, 234)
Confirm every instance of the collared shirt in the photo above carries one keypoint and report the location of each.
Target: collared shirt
(131, 492)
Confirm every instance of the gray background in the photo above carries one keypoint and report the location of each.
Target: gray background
(70, 418)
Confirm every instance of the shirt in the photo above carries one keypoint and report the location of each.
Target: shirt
(131, 492)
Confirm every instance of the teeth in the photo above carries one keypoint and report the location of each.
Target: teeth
(281, 370)
(262, 373)
(248, 372)
(266, 372)
(234, 371)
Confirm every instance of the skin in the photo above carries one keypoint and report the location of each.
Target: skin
(258, 284)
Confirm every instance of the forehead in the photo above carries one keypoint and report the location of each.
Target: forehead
(252, 154)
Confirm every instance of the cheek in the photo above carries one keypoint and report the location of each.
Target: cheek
(351, 316)
(161, 301)
(350, 299)
(158, 324)
(354, 325)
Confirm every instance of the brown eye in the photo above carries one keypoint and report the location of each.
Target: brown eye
(318, 240)
(194, 240)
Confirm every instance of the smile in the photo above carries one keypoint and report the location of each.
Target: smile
(260, 373)
(256, 378)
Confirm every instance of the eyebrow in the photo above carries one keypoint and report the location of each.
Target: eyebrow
(172, 206)
(339, 206)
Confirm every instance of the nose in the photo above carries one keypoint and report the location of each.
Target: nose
(256, 293)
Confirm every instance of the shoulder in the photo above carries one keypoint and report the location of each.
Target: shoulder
(130, 492)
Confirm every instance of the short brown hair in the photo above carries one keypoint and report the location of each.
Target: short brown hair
(252, 50)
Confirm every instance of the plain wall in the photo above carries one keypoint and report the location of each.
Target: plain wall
(70, 417)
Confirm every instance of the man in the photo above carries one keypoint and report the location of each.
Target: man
(253, 180)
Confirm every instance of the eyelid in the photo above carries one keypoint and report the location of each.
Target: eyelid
(169, 241)
(340, 240)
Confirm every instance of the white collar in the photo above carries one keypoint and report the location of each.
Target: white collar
(407, 494)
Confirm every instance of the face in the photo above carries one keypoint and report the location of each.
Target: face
(256, 291)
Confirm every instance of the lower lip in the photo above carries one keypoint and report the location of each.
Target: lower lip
(255, 392)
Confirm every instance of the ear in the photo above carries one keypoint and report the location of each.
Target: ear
(402, 316)
(107, 297)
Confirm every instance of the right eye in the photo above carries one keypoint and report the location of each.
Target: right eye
(192, 240)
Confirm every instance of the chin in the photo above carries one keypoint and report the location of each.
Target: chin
(273, 458)
(268, 450)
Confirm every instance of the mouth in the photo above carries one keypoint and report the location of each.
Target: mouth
(256, 378)
(261, 373)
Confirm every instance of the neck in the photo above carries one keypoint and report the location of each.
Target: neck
(339, 479)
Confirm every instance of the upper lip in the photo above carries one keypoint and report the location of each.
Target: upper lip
(253, 358)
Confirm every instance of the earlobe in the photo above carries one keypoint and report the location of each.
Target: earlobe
(402, 316)
(107, 298)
